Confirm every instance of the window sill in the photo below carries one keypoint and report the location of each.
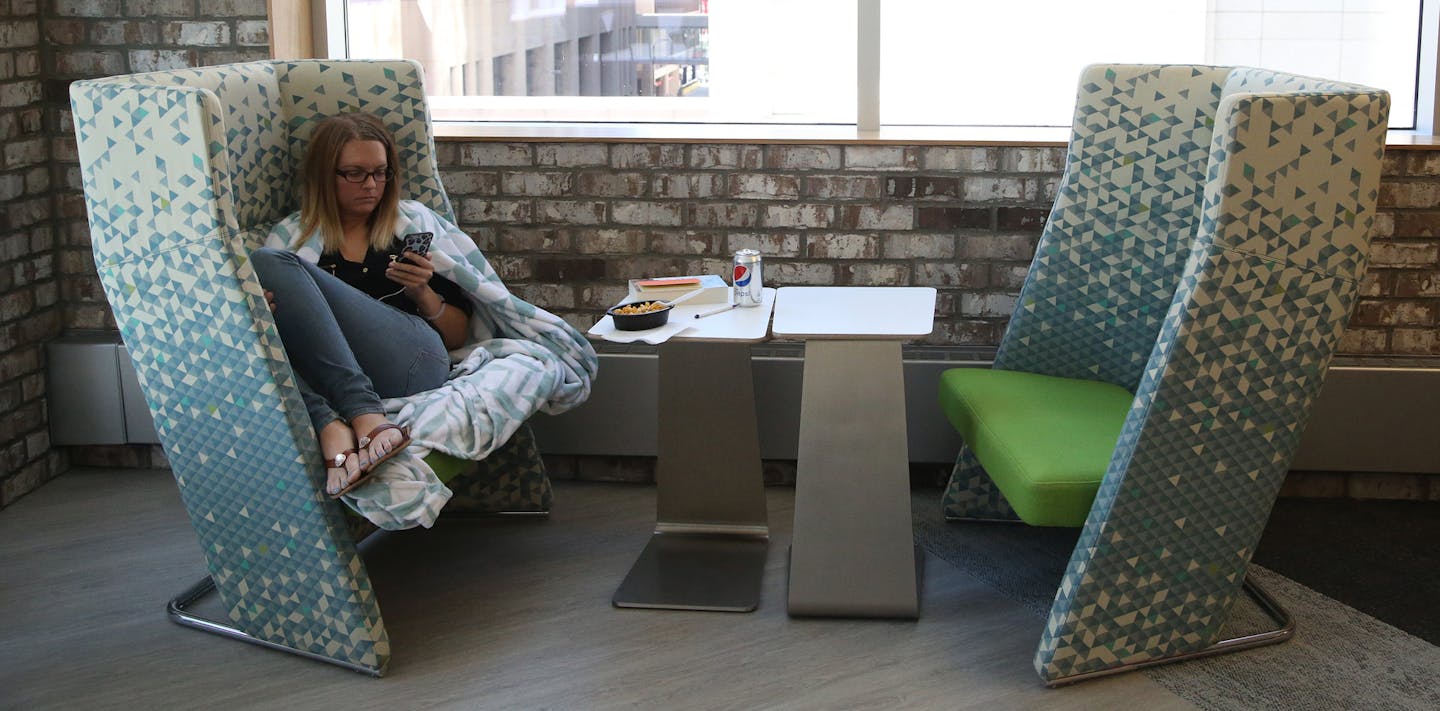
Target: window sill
(794, 133)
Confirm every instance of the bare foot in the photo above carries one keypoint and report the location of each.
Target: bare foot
(335, 438)
(373, 450)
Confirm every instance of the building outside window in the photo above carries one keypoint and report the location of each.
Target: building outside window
(942, 62)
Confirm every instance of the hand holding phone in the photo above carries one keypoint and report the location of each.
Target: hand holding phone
(418, 242)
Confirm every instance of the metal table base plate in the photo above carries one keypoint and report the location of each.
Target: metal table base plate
(685, 571)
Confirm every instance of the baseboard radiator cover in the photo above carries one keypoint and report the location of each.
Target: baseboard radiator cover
(1374, 415)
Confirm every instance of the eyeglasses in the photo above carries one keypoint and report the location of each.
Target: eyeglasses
(356, 175)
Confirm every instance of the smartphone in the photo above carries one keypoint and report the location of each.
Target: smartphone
(418, 242)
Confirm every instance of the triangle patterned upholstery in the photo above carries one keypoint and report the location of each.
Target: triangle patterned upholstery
(1204, 252)
(184, 172)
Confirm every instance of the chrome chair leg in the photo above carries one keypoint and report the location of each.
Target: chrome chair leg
(178, 610)
(1269, 604)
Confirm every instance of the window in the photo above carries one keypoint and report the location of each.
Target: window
(941, 62)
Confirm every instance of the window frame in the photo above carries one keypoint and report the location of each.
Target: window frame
(307, 28)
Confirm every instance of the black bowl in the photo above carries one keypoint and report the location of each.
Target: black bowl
(640, 322)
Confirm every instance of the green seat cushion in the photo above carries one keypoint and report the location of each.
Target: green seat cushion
(1045, 441)
(447, 467)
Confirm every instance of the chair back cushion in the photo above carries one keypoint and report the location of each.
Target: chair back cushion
(1124, 222)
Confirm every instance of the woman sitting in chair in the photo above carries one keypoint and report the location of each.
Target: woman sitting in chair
(369, 319)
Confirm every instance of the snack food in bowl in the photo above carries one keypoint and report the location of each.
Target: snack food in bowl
(640, 315)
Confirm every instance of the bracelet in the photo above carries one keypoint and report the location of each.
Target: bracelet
(437, 313)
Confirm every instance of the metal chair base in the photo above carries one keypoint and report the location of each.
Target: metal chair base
(178, 610)
(1272, 608)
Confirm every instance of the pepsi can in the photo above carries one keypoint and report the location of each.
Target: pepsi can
(746, 284)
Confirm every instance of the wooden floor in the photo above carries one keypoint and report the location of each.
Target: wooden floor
(502, 615)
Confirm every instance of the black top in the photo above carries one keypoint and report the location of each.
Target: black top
(369, 276)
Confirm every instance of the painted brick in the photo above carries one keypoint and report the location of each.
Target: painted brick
(1377, 282)
(967, 332)
(639, 155)
(618, 270)
(510, 267)
(842, 246)
(85, 8)
(687, 242)
(722, 215)
(1383, 226)
(727, 156)
(1008, 276)
(918, 246)
(11, 187)
(521, 239)
(1393, 313)
(687, 185)
(471, 182)
(842, 187)
(566, 268)
(486, 155)
(153, 60)
(803, 157)
(1021, 218)
(1392, 164)
(213, 57)
(1010, 247)
(773, 244)
(600, 297)
(941, 218)
(1415, 341)
(20, 93)
(27, 64)
(952, 275)
(1365, 341)
(7, 66)
(875, 274)
(1415, 162)
(606, 184)
(575, 212)
(1378, 485)
(1032, 160)
(546, 296)
(226, 8)
(928, 187)
(789, 273)
(881, 158)
(669, 214)
(536, 184)
(571, 154)
(1413, 283)
(871, 217)
(1414, 224)
(798, 215)
(252, 33)
(196, 34)
(478, 210)
(610, 241)
(993, 189)
(56, 31)
(763, 186)
(962, 158)
(988, 304)
(1409, 194)
(1404, 254)
(19, 154)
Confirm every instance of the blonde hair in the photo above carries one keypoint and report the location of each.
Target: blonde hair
(319, 206)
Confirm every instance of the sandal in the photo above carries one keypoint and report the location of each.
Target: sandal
(367, 439)
(338, 462)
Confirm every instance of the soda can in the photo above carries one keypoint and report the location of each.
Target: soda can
(747, 282)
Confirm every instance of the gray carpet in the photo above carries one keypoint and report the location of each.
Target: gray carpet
(1339, 658)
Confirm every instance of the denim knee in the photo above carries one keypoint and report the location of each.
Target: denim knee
(264, 259)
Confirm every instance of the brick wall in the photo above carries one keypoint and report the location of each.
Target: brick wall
(47, 278)
(566, 223)
(29, 293)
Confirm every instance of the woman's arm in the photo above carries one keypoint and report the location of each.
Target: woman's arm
(414, 272)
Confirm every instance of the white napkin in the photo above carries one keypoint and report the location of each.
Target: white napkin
(653, 336)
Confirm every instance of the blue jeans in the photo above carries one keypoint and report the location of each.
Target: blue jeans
(348, 349)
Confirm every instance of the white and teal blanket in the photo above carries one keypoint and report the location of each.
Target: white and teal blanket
(519, 360)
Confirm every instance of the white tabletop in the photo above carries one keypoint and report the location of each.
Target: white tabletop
(747, 324)
(859, 312)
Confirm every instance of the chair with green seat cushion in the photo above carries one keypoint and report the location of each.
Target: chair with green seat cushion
(1203, 254)
(999, 414)
(184, 174)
